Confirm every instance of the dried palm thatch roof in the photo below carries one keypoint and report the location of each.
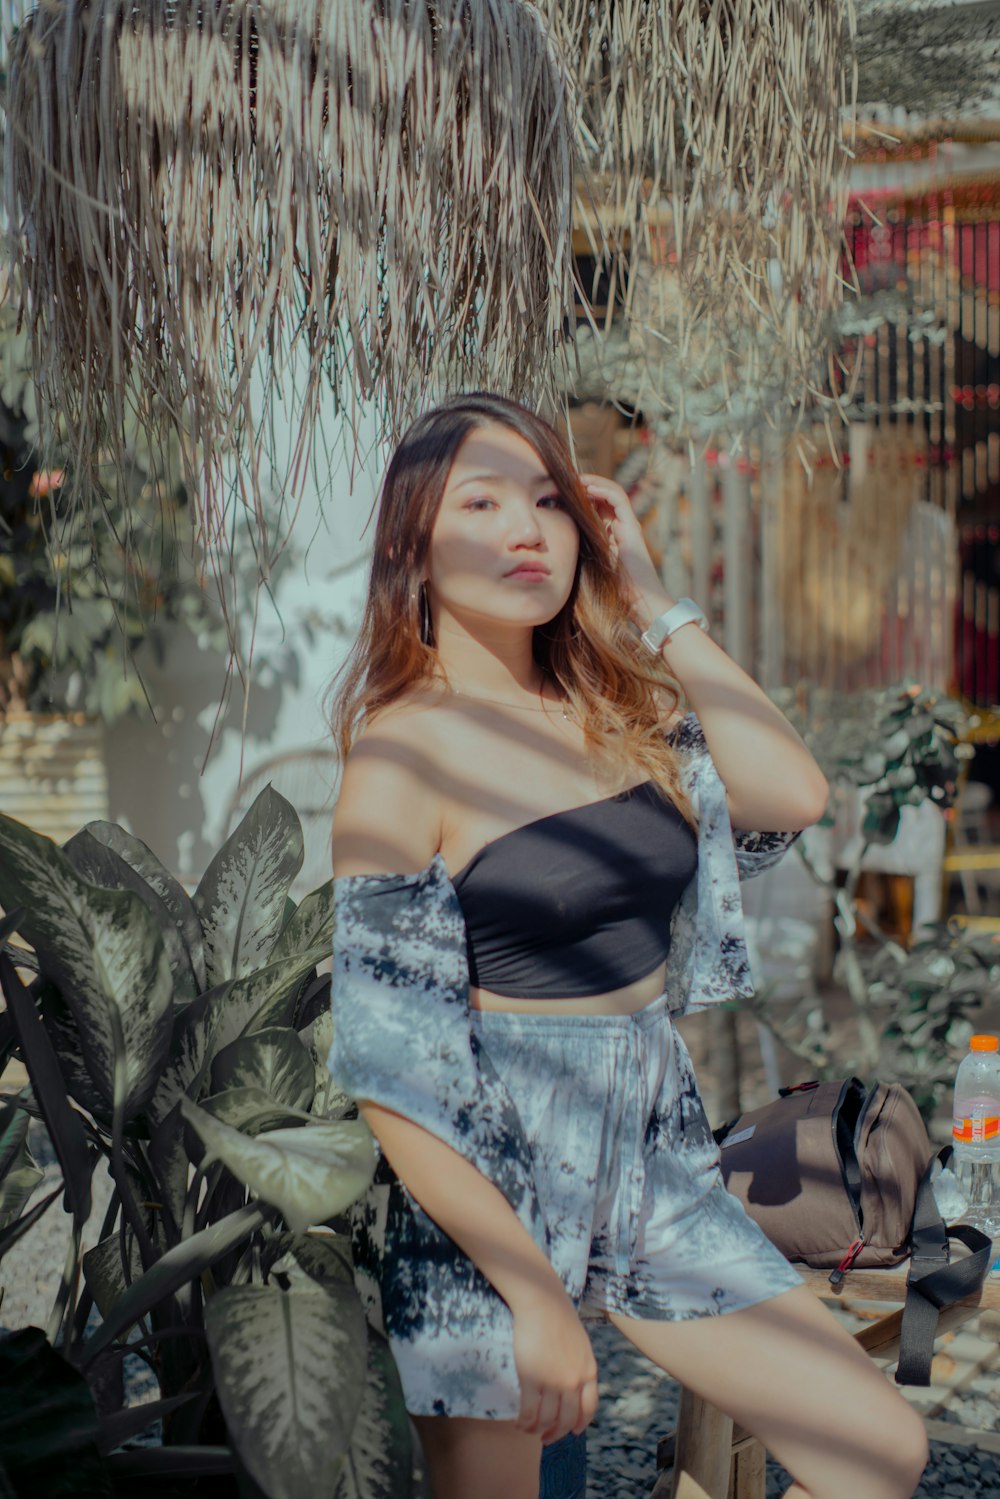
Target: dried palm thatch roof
(725, 188)
(717, 133)
(204, 194)
(930, 57)
(201, 191)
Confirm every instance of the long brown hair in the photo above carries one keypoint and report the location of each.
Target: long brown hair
(618, 691)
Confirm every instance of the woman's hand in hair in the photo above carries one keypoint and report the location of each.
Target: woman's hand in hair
(628, 544)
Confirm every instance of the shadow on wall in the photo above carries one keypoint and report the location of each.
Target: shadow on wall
(156, 788)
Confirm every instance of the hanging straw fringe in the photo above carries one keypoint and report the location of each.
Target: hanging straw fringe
(203, 190)
(713, 136)
(200, 188)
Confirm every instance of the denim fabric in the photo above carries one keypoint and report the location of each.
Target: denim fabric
(564, 1468)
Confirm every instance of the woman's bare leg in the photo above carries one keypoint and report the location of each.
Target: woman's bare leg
(791, 1374)
(467, 1457)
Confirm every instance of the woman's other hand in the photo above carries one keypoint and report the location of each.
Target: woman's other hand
(556, 1368)
(628, 544)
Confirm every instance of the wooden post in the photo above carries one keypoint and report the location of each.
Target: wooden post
(749, 1476)
(704, 1450)
(770, 658)
(701, 533)
(737, 561)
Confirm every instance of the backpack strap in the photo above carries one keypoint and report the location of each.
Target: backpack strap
(932, 1281)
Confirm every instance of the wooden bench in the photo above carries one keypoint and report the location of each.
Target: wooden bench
(707, 1458)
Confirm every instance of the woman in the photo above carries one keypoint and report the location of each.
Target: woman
(535, 867)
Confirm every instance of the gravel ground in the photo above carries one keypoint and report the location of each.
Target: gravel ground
(30, 1273)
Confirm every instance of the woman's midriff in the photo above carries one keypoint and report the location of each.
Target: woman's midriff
(623, 1001)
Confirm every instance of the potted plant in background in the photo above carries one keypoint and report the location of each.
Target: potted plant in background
(912, 1006)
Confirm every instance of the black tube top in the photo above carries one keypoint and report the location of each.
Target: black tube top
(579, 902)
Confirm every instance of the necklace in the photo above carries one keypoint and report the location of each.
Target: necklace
(474, 697)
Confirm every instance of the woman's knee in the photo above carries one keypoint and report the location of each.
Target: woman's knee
(908, 1442)
(892, 1450)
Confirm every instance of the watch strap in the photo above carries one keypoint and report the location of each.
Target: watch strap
(684, 612)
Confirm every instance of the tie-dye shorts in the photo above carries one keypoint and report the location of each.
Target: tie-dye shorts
(628, 1180)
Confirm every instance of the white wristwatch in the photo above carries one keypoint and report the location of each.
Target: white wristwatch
(684, 612)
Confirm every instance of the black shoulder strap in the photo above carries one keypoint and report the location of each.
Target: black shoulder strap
(932, 1282)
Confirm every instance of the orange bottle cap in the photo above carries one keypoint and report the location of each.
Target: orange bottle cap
(984, 1043)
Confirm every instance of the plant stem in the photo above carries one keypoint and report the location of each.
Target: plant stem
(870, 925)
(811, 868)
(62, 1308)
(173, 1269)
(86, 1299)
(814, 1055)
(191, 1203)
(214, 1178)
(158, 1335)
(857, 987)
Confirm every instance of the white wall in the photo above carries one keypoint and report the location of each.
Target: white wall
(159, 786)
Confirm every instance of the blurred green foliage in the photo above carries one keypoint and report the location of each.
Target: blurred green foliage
(76, 599)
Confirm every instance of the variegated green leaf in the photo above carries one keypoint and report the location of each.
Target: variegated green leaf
(329, 1101)
(273, 1060)
(250, 1110)
(17, 1187)
(103, 866)
(313, 1001)
(102, 950)
(290, 1373)
(169, 1160)
(14, 1124)
(19, 1172)
(379, 1463)
(241, 898)
(310, 926)
(309, 1174)
(158, 878)
(64, 1034)
(324, 1255)
(219, 1017)
(173, 1270)
(46, 1097)
(16, 1231)
(104, 1271)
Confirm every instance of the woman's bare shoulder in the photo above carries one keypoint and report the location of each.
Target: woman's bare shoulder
(389, 808)
(415, 724)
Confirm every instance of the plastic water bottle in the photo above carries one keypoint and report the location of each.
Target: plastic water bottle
(976, 1133)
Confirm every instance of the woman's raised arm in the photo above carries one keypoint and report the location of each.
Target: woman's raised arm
(772, 781)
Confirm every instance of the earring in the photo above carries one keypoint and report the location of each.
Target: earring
(424, 613)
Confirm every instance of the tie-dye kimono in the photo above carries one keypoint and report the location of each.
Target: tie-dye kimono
(405, 1037)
